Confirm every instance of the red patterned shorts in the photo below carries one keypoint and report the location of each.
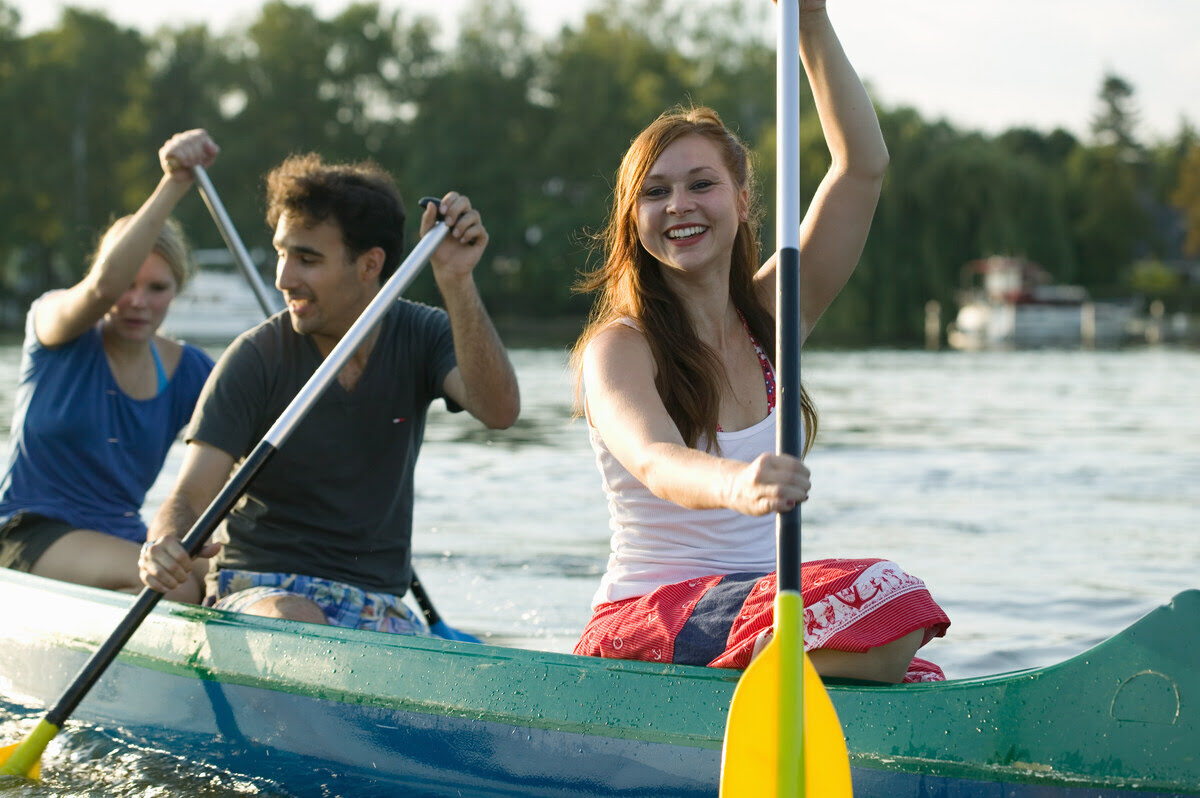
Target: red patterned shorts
(849, 605)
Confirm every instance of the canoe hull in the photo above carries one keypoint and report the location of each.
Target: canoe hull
(308, 744)
(285, 701)
(335, 711)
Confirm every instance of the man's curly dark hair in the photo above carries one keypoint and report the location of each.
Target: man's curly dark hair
(361, 198)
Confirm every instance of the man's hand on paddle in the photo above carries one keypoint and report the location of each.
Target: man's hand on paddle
(164, 565)
(771, 483)
(457, 255)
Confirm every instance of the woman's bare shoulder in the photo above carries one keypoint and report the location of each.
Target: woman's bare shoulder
(620, 345)
(171, 352)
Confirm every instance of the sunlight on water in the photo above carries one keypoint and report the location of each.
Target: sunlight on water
(1047, 498)
(93, 762)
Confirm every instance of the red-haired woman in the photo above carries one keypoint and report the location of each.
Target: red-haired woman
(678, 389)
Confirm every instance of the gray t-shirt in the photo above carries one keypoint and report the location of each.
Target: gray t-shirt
(336, 500)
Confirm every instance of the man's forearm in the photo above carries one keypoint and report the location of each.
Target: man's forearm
(175, 517)
(491, 384)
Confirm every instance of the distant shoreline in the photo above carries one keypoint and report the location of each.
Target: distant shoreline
(561, 332)
(523, 332)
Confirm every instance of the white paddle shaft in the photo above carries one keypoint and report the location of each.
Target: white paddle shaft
(268, 301)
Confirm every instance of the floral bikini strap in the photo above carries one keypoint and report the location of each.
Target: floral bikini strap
(765, 363)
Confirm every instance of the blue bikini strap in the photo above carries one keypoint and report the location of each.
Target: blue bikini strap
(158, 368)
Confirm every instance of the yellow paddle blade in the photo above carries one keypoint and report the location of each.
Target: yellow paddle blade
(23, 759)
(749, 759)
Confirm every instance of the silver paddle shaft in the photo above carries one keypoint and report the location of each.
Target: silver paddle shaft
(787, 135)
(266, 299)
(327, 372)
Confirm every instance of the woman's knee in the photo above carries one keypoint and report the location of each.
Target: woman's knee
(887, 663)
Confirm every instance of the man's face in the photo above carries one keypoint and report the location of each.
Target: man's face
(326, 289)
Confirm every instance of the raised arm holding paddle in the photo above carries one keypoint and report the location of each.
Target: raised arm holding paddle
(103, 395)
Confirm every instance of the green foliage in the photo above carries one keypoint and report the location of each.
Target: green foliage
(1114, 124)
(533, 130)
(1108, 218)
(1152, 277)
(75, 98)
(1186, 197)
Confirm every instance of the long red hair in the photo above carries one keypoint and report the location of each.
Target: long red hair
(629, 282)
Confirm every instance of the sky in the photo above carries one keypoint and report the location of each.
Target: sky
(985, 66)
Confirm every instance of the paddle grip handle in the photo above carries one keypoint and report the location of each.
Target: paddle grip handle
(424, 201)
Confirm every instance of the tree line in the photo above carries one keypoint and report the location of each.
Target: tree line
(532, 128)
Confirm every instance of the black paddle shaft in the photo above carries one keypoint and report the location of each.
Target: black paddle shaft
(427, 609)
(94, 668)
(791, 423)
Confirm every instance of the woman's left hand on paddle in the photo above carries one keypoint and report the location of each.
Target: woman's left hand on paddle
(184, 150)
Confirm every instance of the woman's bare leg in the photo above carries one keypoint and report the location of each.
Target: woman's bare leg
(88, 557)
(886, 663)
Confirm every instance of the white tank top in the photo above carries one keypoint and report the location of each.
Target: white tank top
(657, 542)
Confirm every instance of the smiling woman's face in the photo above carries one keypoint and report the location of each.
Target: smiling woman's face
(689, 207)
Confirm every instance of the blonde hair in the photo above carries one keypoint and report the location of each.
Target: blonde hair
(629, 282)
(171, 244)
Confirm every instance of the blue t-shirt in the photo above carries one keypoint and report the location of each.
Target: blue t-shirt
(81, 450)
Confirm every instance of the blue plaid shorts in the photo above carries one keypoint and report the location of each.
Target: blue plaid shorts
(343, 604)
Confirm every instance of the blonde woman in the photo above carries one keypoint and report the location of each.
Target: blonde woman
(102, 396)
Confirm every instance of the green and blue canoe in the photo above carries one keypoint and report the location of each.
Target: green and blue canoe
(320, 709)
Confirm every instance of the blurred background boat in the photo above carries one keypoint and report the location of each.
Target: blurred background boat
(1013, 303)
(215, 305)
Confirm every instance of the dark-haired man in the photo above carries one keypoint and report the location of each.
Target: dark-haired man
(323, 533)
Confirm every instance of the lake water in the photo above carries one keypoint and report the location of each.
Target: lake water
(1047, 498)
